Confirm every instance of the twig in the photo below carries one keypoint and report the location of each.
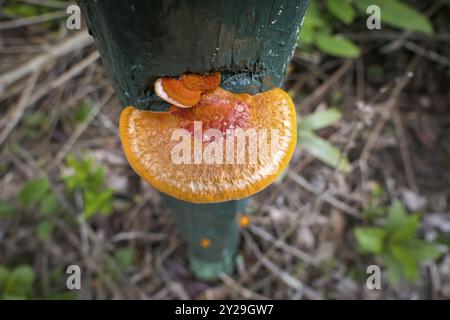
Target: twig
(23, 22)
(138, 235)
(175, 287)
(404, 150)
(19, 109)
(323, 89)
(47, 3)
(399, 42)
(244, 292)
(431, 55)
(390, 105)
(284, 276)
(77, 42)
(386, 35)
(292, 228)
(283, 245)
(324, 195)
(66, 76)
(79, 130)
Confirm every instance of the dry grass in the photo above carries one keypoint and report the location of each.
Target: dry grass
(300, 244)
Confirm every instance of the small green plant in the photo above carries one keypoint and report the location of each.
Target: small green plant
(396, 244)
(323, 15)
(89, 179)
(374, 208)
(124, 257)
(33, 122)
(37, 195)
(6, 209)
(315, 145)
(21, 282)
(81, 113)
(16, 283)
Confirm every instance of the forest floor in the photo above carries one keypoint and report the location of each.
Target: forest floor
(58, 107)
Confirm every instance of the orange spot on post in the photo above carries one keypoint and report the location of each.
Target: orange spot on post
(205, 243)
(244, 221)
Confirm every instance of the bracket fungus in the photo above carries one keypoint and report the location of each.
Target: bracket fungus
(186, 91)
(212, 145)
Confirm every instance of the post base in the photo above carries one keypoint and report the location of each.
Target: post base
(212, 234)
(211, 270)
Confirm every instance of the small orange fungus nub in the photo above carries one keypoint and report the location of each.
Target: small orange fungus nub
(205, 243)
(244, 221)
(186, 91)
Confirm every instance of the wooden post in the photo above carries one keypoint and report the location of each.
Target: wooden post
(249, 41)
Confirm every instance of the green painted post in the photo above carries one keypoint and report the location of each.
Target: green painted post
(215, 223)
(249, 41)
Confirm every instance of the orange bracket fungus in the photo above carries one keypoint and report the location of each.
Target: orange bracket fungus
(218, 146)
(186, 91)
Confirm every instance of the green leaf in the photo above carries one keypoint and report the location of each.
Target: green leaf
(70, 295)
(125, 257)
(320, 119)
(4, 272)
(33, 191)
(397, 216)
(370, 239)
(6, 209)
(314, 16)
(49, 204)
(409, 256)
(341, 9)
(394, 269)
(19, 282)
(21, 10)
(45, 229)
(82, 112)
(337, 45)
(35, 119)
(400, 15)
(323, 150)
(423, 251)
(444, 238)
(95, 202)
(405, 257)
(85, 176)
(306, 34)
(407, 231)
(312, 22)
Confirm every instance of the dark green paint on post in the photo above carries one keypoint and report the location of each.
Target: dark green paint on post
(250, 41)
(216, 222)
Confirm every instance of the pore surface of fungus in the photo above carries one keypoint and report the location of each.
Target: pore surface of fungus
(226, 147)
